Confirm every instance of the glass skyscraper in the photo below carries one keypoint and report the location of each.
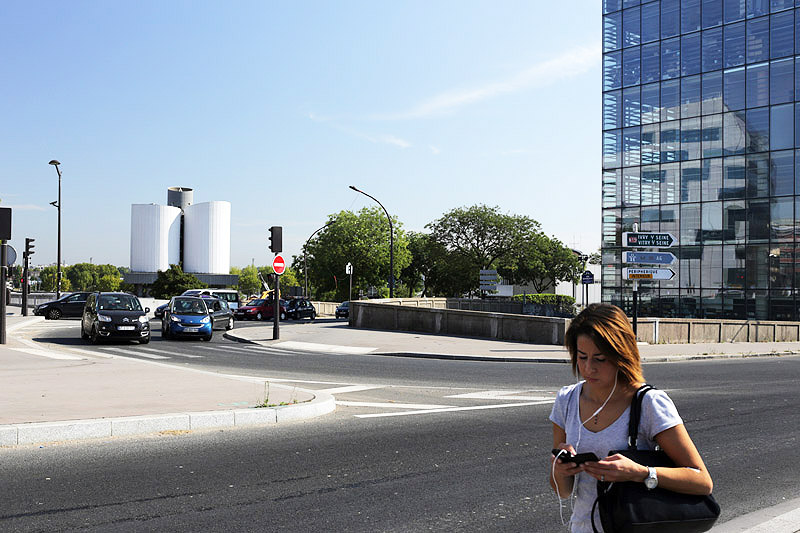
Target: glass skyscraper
(701, 101)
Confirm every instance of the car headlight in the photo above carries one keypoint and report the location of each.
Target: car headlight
(205, 320)
(43, 306)
(104, 318)
(174, 318)
(143, 319)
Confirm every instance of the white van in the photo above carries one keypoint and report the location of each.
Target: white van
(229, 295)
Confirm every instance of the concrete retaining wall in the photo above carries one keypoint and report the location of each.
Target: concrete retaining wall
(427, 317)
(433, 315)
(695, 330)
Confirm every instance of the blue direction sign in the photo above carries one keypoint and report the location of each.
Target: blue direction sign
(649, 258)
(587, 278)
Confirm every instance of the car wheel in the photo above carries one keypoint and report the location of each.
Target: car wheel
(230, 324)
(282, 315)
(313, 315)
(259, 316)
(165, 332)
(144, 340)
(84, 335)
(94, 336)
(54, 314)
(207, 338)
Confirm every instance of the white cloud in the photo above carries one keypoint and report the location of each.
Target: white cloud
(572, 63)
(435, 150)
(380, 138)
(390, 139)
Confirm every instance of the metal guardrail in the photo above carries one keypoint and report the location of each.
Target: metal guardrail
(34, 299)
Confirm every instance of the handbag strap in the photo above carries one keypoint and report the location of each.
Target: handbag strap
(636, 414)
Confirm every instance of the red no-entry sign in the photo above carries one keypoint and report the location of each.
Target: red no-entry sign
(278, 265)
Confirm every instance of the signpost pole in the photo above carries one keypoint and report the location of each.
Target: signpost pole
(276, 309)
(635, 304)
(3, 290)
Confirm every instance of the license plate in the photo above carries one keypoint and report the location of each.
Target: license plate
(126, 328)
(191, 330)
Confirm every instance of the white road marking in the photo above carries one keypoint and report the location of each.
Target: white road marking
(325, 348)
(351, 388)
(234, 348)
(505, 395)
(177, 354)
(393, 405)
(453, 409)
(89, 352)
(136, 352)
(47, 353)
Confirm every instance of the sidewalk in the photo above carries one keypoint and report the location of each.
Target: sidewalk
(50, 395)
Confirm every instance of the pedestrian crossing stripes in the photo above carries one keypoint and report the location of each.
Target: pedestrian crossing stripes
(48, 353)
(136, 352)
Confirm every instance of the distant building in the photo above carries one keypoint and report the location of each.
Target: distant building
(195, 236)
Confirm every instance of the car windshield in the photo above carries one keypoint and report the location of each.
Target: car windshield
(256, 303)
(227, 296)
(345, 304)
(119, 302)
(189, 306)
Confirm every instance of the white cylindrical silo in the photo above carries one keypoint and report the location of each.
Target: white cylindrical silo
(207, 238)
(155, 237)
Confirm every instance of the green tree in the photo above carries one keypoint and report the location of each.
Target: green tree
(108, 283)
(476, 238)
(16, 275)
(90, 277)
(81, 276)
(248, 280)
(361, 239)
(47, 276)
(541, 261)
(174, 281)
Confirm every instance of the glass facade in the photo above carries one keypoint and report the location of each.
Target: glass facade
(701, 138)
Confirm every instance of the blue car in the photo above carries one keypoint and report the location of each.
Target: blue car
(187, 316)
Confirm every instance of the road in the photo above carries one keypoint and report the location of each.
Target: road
(382, 462)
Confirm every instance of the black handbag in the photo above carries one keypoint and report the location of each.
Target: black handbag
(629, 507)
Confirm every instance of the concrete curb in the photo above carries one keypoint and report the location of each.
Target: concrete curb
(41, 432)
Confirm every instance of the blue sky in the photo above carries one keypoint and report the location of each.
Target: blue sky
(278, 107)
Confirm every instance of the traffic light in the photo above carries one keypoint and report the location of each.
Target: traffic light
(29, 246)
(276, 239)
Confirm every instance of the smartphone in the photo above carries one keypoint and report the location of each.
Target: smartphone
(577, 459)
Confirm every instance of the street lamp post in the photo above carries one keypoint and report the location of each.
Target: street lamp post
(391, 242)
(57, 204)
(305, 252)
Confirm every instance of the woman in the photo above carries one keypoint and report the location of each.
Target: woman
(593, 415)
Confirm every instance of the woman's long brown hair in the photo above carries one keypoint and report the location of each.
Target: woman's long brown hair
(609, 328)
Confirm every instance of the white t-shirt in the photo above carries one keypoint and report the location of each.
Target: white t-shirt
(658, 414)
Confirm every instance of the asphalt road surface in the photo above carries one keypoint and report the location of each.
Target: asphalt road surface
(373, 467)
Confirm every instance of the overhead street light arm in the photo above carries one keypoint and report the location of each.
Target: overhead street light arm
(391, 241)
(305, 252)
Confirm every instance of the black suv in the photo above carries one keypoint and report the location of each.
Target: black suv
(300, 308)
(67, 305)
(116, 315)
